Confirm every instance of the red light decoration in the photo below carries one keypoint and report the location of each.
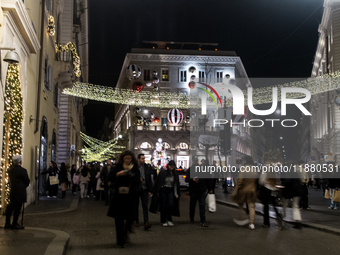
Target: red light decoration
(175, 116)
(137, 86)
(156, 120)
(192, 84)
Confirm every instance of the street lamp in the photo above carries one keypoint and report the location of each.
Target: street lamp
(281, 137)
(11, 56)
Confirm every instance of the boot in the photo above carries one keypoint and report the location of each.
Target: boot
(63, 194)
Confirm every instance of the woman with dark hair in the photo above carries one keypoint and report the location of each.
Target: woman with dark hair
(63, 179)
(245, 192)
(166, 188)
(125, 180)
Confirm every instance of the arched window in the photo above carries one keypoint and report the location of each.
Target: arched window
(167, 146)
(183, 146)
(145, 145)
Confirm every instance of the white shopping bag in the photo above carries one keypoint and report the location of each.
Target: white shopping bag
(211, 202)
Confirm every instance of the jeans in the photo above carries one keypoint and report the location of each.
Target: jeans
(334, 205)
(144, 196)
(200, 197)
(166, 196)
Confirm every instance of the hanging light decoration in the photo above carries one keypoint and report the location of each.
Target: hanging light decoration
(133, 72)
(156, 120)
(76, 60)
(262, 95)
(155, 80)
(175, 116)
(192, 85)
(137, 86)
(51, 26)
(97, 150)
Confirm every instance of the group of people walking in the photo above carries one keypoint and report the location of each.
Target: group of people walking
(133, 180)
(267, 187)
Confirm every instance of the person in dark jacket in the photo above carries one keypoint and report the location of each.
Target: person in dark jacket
(63, 179)
(147, 177)
(93, 181)
(19, 181)
(104, 175)
(125, 180)
(166, 188)
(52, 171)
(198, 189)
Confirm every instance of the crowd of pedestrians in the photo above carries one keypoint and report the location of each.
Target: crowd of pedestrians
(131, 182)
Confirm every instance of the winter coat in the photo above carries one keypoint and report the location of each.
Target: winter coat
(19, 181)
(63, 175)
(154, 207)
(201, 186)
(99, 182)
(122, 205)
(150, 177)
(245, 189)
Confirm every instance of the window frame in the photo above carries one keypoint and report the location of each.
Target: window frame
(182, 78)
(168, 74)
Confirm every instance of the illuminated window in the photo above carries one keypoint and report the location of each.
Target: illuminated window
(165, 74)
(167, 146)
(183, 146)
(145, 145)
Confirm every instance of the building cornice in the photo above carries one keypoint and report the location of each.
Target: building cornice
(170, 58)
(18, 11)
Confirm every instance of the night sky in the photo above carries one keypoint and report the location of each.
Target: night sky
(273, 38)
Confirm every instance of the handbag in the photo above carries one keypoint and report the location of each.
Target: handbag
(336, 196)
(123, 190)
(54, 180)
(211, 201)
(327, 195)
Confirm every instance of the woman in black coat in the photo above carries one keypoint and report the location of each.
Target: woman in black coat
(166, 188)
(52, 171)
(125, 180)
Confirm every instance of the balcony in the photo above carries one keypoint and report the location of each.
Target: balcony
(161, 128)
(64, 56)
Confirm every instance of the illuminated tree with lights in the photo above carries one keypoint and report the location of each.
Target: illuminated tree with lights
(159, 155)
(13, 119)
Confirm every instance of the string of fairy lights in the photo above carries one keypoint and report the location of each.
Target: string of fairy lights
(13, 113)
(97, 150)
(262, 95)
(76, 59)
(128, 96)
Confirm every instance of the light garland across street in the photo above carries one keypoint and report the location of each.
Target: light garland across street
(262, 95)
(97, 150)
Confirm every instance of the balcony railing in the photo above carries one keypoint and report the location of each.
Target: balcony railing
(64, 56)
